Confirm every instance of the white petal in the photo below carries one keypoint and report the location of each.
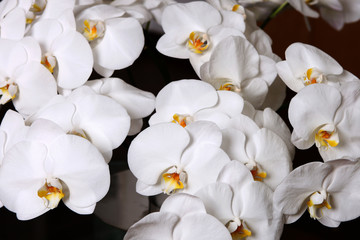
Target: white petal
(188, 203)
(217, 199)
(183, 97)
(121, 45)
(22, 174)
(200, 226)
(35, 89)
(156, 149)
(74, 59)
(159, 225)
(87, 179)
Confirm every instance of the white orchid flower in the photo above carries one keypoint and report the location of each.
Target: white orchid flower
(186, 28)
(97, 118)
(262, 151)
(337, 17)
(65, 52)
(328, 117)
(306, 65)
(169, 158)
(187, 101)
(138, 103)
(50, 165)
(244, 206)
(235, 65)
(22, 78)
(181, 216)
(328, 190)
(116, 41)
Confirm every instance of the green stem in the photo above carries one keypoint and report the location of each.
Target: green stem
(274, 14)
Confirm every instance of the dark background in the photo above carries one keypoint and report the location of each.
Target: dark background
(151, 72)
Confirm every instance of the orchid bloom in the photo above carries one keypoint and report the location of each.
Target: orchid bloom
(182, 216)
(327, 190)
(116, 41)
(335, 12)
(328, 117)
(138, 103)
(65, 52)
(186, 29)
(306, 65)
(48, 166)
(97, 118)
(262, 151)
(243, 71)
(22, 78)
(244, 206)
(186, 101)
(169, 158)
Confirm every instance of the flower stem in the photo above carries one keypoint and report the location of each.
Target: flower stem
(274, 14)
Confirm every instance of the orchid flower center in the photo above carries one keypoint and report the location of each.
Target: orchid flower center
(198, 42)
(239, 9)
(230, 87)
(182, 119)
(313, 75)
(93, 29)
(8, 90)
(173, 180)
(327, 136)
(38, 6)
(311, 2)
(80, 133)
(238, 229)
(51, 192)
(49, 61)
(256, 171)
(317, 201)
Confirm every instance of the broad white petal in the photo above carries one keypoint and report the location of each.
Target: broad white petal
(121, 45)
(156, 149)
(159, 225)
(74, 58)
(200, 226)
(183, 97)
(188, 203)
(87, 179)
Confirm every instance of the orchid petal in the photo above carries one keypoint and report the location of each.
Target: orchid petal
(159, 225)
(189, 228)
(156, 149)
(87, 178)
(188, 203)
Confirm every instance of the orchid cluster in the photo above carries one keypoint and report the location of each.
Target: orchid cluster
(57, 142)
(214, 148)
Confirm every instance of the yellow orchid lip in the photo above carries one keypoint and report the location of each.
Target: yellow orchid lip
(173, 180)
(51, 194)
(198, 42)
(318, 200)
(93, 29)
(182, 119)
(326, 137)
